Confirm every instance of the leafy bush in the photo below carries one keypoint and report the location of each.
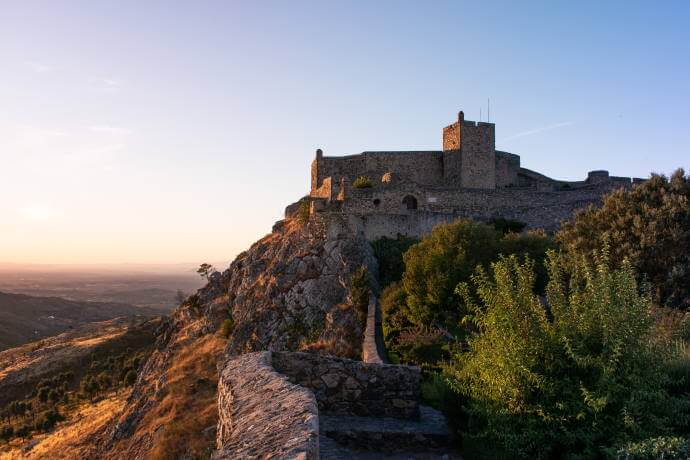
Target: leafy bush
(227, 327)
(650, 225)
(389, 253)
(361, 291)
(506, 226)
(130, 377)
(362, 182)
(578, 379)
(448, 256)
(664, 447)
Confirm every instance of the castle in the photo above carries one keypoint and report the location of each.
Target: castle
(409, 192)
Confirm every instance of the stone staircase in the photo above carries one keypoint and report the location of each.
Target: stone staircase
(376, 437)
(356, 437)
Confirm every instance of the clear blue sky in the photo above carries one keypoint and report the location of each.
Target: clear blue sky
(169, 132)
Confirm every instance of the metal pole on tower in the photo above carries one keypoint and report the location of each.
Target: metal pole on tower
(488, 110)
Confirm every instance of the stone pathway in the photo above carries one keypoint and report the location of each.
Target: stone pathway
(350, 437)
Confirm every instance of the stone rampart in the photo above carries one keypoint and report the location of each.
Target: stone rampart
(347, 387)
(371, 346)
(263, 415)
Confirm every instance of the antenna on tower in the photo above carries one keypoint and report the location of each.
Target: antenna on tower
(488, 110)
(480, 114)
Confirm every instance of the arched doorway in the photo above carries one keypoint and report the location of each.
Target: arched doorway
(410, 202)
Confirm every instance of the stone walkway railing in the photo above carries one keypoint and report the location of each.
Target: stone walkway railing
(263, 415)
(372, 346)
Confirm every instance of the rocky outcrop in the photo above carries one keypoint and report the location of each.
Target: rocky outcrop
(262, 414)
(291, 290)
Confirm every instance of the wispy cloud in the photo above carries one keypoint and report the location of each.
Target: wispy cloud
(538, 130)
(39, 67)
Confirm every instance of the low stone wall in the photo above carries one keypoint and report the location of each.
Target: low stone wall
(371, 348)
(346, 387)
(262, 414)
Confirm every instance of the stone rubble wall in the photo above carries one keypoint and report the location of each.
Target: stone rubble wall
(347, 387)
(262, 414)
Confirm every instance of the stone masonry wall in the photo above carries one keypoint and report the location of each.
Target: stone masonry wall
(425, 168)
(347, 387)
(263, 415)
(478, 155)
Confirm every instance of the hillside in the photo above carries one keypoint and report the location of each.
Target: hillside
(71, 357)
(25, 318)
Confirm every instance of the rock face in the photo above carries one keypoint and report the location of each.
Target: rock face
(291, 291)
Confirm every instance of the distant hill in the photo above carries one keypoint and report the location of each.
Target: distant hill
(25, 318)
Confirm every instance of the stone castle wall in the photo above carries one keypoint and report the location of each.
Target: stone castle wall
(425, 168)
(347, 387)
(478, 156)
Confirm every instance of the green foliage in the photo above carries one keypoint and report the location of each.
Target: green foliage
(578, 379)
(650, 225)
(435, 265)
(43, 393)
(205, 270)
(361, 290)
(506, 226)
(663, 447)
(389, 253)
(7, 432)
(448, 256)
(130, 377)
(362, 182)
(227, 327)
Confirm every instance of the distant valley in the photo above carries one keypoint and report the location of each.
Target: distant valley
(26, 318)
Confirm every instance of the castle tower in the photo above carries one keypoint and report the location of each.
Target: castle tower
(469, 154)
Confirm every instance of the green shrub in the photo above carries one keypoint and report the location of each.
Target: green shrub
(362, 182)
(227, 327)
(435, 265)
(664, 447)
(361, 290)
(648, 224)
(130, 377)
(389, 254)
(506, 226)
(579, 380)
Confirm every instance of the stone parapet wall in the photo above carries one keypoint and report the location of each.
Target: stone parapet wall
(371, 349)
(263, 415)
(347, 387)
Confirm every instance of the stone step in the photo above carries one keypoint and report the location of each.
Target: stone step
(370, 437)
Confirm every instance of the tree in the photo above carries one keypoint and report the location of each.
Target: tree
(43, 393)
(130, 378)
(180, 296)
(206, 270)
(579, 376)
(648, 224)
(227, 327)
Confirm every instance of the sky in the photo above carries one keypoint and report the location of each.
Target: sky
(176, 132)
